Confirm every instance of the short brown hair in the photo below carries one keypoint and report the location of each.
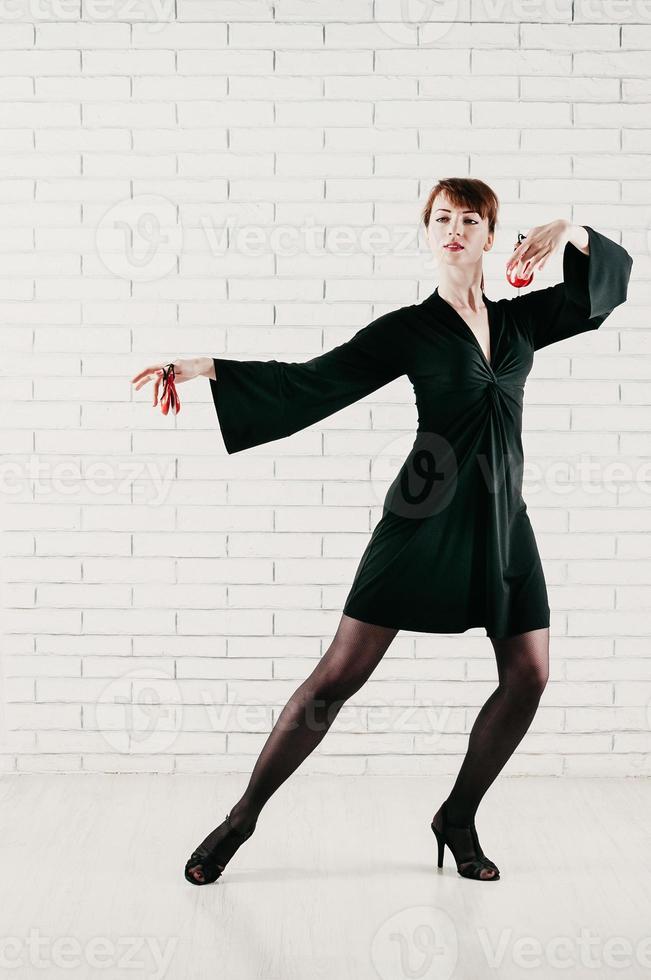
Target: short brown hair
(468, 191)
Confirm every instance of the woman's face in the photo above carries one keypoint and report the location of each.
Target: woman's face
(450, 225)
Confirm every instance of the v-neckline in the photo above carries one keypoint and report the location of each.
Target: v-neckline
(489, 364)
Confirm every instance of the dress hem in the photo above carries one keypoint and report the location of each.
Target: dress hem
(442, 629)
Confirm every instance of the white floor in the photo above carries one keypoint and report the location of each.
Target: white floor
(338, 882)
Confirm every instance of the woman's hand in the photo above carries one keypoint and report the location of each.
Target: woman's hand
(184, 370)
(541, 242)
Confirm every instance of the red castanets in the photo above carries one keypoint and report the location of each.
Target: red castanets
(511, 276)
(170, 396)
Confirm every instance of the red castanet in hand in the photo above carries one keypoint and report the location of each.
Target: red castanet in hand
(511, 276)
(169, 398)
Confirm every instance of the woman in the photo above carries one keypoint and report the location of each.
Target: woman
(454, 548)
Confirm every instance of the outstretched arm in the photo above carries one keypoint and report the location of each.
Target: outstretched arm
(261, 401)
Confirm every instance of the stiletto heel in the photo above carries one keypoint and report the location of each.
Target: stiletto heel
(205, 857)
(472, 867)
(440, 840)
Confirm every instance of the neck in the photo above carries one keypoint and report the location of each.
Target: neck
(461, 292)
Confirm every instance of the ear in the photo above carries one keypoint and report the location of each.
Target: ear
(489, 241)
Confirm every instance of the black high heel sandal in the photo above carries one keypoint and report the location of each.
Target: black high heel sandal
(472, 867)
(206, 858)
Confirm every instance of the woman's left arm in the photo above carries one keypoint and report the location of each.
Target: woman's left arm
(596, 273)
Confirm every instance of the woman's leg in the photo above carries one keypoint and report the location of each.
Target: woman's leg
(349, 661)
(523, 670)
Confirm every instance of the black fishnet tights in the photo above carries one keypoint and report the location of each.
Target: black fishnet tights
(349, 661)
(523, 670)
(351, 658)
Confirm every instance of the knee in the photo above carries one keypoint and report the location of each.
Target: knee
(532, 680)
(336, 686)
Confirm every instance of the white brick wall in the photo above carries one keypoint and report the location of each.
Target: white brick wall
(162, 600)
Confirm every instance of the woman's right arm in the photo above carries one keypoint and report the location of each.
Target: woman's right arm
(261, 401)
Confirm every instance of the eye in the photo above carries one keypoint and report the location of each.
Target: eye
(444, 217)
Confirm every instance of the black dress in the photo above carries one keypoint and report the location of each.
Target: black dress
(454, 548)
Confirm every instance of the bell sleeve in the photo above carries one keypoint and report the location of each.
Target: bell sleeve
(593, 285)
(261, 401)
